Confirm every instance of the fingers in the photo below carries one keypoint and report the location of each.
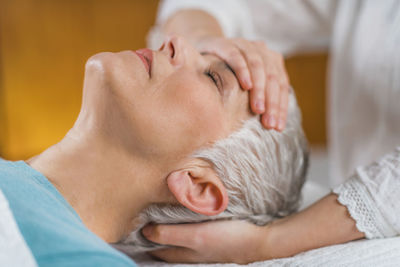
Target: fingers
(181, 235)
(259, 69)
(233, 57)
(276, 90)
(178, 255)
(255, 65)
(237, 61)
(202, 242)
(277, 100)
(283, 108)
(270, 118)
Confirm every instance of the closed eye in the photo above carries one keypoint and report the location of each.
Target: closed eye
(215, 78)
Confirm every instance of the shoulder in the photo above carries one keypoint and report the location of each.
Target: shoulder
(87, 259)
(50, 227)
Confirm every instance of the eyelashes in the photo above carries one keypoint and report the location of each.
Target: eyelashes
(215, 78)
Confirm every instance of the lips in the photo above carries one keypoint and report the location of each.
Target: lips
(146, 55)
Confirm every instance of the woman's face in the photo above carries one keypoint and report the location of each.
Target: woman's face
(170, 106)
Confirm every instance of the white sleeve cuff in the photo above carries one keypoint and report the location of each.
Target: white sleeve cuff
(362, 208)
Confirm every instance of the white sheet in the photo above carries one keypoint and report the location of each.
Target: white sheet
(377, 252)
(13, 249)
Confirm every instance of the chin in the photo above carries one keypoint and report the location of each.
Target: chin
(99, 62)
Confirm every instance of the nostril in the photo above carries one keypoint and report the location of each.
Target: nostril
(172, 49)
(162, 47)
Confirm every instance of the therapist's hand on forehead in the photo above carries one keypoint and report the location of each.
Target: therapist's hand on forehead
(259, 70)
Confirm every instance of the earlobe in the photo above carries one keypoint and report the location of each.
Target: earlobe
(199, 189)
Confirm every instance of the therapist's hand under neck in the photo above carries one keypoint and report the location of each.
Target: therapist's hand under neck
(260, 70)
(326, 222)
(210, 242)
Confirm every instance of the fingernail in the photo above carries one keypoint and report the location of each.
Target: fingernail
(281, 125)
(271, 121)
(260, 106)
(147, 231)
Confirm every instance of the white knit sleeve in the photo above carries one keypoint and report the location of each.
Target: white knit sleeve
(372, 197)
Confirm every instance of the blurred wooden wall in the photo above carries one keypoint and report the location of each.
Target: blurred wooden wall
(308, 76)
(44, 45)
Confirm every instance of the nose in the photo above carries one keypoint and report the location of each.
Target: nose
(178, 51)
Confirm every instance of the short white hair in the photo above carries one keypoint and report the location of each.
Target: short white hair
(263, 172)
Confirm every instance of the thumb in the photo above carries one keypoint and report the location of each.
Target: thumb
(181, 235)
(178, 255)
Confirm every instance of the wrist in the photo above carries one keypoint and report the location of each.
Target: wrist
(192, 24)
(324, 223)
(271, 241)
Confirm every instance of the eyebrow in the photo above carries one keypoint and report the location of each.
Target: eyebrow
(222, 65)
(226, 66)
(221, 61)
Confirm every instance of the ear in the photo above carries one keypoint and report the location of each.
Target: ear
(199, 189)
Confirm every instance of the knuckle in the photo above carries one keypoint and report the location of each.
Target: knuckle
(241, 71)
(273, 107)
(271, 77)
(259, 89)
(240, 66)
(261, 44)
(233, 53)
(255, 63)
(158, 234)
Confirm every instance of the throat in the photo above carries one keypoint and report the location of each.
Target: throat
(101, 184)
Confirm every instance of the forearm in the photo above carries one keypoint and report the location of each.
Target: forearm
(325, 223)
(193, 25)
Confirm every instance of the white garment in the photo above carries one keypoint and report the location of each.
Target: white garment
(13, 249)
(363, 37)
(362, 253)
(372, 197)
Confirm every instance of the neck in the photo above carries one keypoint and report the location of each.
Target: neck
(106, 186)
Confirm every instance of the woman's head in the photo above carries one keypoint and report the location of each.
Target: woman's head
(186, 113)
(263, 173)
(182, 102)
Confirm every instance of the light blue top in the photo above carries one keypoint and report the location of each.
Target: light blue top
(51, 228)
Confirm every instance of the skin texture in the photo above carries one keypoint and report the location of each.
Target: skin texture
(131, 144)
(325, 223)
(259, 69)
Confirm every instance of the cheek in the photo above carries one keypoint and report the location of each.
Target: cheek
(188, 113)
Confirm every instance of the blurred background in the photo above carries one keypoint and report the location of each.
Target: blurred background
(44, 45)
